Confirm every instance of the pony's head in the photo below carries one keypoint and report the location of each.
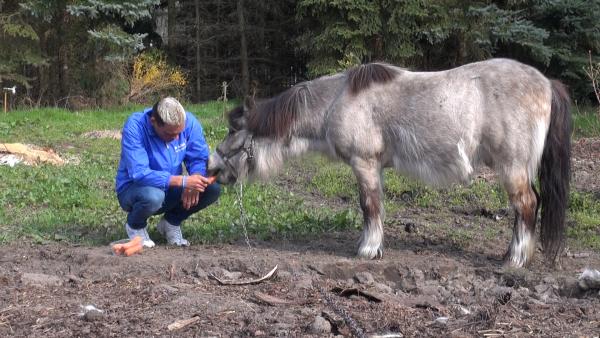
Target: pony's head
(271, 122)
(233, 157)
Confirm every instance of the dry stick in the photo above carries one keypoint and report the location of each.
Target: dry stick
(245, 282)
(181, 323)
(352, 324)
(593, 74)
(224, 85)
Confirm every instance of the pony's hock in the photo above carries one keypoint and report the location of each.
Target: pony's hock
(433, 126)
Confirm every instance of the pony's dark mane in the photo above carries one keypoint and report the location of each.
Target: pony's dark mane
(361, 77)
(234, 117)
(275, 116)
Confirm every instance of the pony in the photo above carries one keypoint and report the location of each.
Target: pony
(433, 126)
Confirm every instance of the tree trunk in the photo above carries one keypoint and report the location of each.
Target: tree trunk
(243, 48)
(171, 19)
(198, 59)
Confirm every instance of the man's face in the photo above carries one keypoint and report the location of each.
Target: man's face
(167, 132)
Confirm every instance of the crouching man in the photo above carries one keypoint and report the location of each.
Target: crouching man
(150, 181)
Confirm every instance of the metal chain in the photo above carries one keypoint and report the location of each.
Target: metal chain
(352, 324)
(243, 216)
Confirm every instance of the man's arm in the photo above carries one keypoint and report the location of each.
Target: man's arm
(135, 157)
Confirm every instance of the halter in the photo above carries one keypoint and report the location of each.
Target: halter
(247, 148)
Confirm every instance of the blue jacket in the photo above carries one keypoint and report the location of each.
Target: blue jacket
(148, 160)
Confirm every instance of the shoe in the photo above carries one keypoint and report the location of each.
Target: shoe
(172, 233)
(146, 241)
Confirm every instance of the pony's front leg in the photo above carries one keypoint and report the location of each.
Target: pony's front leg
(368, 174)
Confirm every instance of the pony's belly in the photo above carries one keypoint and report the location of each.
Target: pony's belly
(435, 171)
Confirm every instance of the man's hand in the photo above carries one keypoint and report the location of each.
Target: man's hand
(196, 182)
(190, 198)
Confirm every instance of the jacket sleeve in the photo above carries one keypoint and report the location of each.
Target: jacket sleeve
(197, 150)
(135, 157)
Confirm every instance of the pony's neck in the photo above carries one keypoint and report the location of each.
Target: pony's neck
(271, 155)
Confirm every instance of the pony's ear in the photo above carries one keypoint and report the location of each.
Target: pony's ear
(249, 103)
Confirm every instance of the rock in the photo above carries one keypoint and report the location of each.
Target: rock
(549, 280)
(441, 321)
(545, 292)
(200, 273)
(229, 275)
(383, 288)
(364, 278)
(40, 279)
(407, 285)
(304, 282)
(589, 279)
(73, 279)
(284, 275)
(320, 326)
(417, 274)
(570, 287)
(168, 289)
(93, 315)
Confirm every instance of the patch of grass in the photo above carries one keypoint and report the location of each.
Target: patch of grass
(584, 210)
(586, 122)
(333, 179)
(77, 203)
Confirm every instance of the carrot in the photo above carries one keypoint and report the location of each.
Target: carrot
(117, 249)
(134, 242)
(133, 250)
(212, 179)
(121, 248)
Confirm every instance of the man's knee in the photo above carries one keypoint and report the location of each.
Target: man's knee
(212, 193)
(150, 198)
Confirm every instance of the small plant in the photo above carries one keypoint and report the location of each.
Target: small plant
(593, 72)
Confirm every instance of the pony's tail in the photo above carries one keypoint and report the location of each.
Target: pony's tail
(555, 173)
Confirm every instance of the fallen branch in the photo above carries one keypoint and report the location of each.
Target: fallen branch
(271, 300)
(356, 292)
(181, 323)
(245, 282)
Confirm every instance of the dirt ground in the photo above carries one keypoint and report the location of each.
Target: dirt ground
(424, 286)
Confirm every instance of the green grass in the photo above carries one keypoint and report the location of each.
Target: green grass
(586, 122)
(76, 202)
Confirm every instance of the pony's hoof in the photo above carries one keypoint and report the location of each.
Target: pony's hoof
(371, 254)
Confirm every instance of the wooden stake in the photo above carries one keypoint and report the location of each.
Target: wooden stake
(5, 101)
(224, 98)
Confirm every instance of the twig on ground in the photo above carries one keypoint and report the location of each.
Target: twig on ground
(245, 282)
(181, 323)
(271, 300)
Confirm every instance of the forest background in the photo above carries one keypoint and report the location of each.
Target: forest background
(82, 54)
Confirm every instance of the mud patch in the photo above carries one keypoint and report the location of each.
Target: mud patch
(168, 291)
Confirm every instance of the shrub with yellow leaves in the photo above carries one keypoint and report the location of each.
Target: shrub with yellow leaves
(151, 75)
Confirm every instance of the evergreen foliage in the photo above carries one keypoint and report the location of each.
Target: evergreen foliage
(62, 49)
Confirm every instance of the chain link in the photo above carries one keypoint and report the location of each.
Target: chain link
(243, 215)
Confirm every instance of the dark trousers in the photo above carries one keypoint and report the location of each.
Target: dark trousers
(141, 202)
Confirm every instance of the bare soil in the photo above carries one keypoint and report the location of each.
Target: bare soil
(425, 285)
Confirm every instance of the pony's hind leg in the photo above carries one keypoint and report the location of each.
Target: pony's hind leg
(524, 200)
(368, 174)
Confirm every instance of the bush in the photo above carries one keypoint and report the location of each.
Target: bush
(152, 76)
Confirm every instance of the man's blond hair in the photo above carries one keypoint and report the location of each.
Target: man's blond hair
(169, 111)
